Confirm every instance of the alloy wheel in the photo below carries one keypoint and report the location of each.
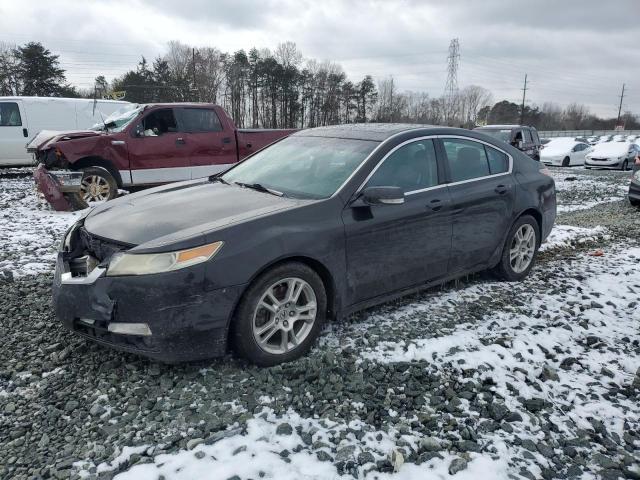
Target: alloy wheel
(284, 316)
(94, 188)
(523, 246)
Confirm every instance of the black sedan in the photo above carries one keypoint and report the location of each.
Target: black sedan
(318, 225)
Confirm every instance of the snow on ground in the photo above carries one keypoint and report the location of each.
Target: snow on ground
(29, 230)
(579, 190)
(564, 236)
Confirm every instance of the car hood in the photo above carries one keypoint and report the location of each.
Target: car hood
(612, 149)
(177, 212)
(45, 138)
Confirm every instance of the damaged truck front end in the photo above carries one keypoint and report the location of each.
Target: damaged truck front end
(67, 174)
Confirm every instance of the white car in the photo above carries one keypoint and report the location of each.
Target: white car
(612, 155)
(564, 152)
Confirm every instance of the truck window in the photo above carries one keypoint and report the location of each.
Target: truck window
(159, 122)
(527, 136)
(199, 120)
(10, 115)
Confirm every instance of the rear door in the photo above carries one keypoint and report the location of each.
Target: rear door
(14, 134)
(210, 147)
(158, 152)
(393, 247)
(482, 193)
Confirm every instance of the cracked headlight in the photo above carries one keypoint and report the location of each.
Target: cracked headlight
(148, 263)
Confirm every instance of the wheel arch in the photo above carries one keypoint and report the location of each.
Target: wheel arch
(96, 161)
(317, 266)
(533, 212)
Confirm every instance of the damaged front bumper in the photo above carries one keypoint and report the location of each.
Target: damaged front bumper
(169, 317)
(54, 185)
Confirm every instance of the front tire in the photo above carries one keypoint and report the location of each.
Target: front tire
(520, 250)
(280, 315)
(625, 166)
(634, 202)
(566, 161)
(98, 185)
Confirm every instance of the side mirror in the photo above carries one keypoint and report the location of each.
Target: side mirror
(383, 196)
(520, 144)
(138, 132)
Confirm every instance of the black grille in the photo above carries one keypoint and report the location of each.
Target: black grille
(97, 247)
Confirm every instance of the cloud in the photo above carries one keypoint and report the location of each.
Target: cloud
(572, 50)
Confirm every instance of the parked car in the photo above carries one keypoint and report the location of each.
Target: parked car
(605, 138)
(564, 152)
(592, 140)
(612, 155)
(142, 145)
(634, 185)
(523, 138)
(21, 118)
(318, 225)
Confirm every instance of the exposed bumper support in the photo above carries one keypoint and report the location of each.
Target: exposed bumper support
(54, 185)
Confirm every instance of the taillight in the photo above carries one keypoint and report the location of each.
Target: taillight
(545, 171)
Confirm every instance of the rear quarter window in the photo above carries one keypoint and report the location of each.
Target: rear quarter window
(498, 161)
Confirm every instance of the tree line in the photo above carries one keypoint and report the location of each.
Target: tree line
(281, 89)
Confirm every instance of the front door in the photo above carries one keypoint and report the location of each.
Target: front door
(482, 191)
(393, 247)
(211, 148)
(158, 152)
(13, 134)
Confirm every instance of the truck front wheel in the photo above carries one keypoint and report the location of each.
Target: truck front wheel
(98, 185)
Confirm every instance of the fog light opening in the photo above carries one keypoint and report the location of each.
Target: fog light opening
(141, 329)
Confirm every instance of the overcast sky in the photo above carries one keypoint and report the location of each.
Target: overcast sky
(572, 50)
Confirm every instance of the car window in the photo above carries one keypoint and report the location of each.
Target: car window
(467, 159)
(159, 122)
(411, 167)
(498, 161)
(304, 167)
(527, 136)
(199, 120)
(10, 115)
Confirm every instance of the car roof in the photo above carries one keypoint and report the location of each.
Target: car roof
(503, 126)
(363, 131)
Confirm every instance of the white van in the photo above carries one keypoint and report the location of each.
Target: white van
(21, 118)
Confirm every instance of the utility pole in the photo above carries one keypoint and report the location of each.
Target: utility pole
(193, 56)
(620, 107)
(524, 96)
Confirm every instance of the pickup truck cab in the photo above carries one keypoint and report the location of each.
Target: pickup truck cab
(522, 137)
(141, 145)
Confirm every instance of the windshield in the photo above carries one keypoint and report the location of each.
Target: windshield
(504, 135)
(303, 167)
(118, 120)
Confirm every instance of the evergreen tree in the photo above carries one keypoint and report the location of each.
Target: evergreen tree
(39, 72)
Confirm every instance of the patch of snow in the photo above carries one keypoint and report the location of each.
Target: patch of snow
(564, 236)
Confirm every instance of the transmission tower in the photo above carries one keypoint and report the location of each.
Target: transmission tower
(451, 87)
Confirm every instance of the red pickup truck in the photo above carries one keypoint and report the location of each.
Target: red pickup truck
(141, 145)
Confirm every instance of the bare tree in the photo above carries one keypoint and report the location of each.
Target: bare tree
(471, 100)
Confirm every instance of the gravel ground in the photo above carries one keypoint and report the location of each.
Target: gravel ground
(476, 379)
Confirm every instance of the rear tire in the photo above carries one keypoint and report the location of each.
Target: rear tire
(634, 202)
(520, 250)
(625, 166)
(280, 315)
(566, 161)
(98, 185)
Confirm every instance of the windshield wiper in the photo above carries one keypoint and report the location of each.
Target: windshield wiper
(217, 178)
(260, 188)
